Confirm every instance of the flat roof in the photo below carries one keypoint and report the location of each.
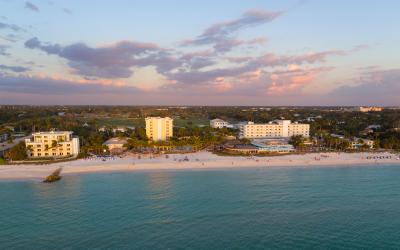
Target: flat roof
(52, 132)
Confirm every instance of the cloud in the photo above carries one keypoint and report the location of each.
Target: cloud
(3, 50)
(12, 27)
(58, 86)
(221, 35)
(373, 87)
(293, 79)
(67, 11)
(31, 6)
(246, 65)
(112, 61)
(16, 69)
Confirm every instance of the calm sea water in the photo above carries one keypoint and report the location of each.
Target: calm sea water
(320, 208)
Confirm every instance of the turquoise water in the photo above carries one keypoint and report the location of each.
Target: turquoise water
(319, 208)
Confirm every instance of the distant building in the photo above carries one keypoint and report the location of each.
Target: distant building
(103, 129)
(119, 129)
(52, 144)
(275, 129)
(369, 109)
(116, 145)
(158, 128)
(218, 123)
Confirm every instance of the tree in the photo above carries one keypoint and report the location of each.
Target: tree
(17, 153)
(297, 141)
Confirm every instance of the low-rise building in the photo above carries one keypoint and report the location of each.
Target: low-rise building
(218, 123)
(275, 129)
(102, 129)
(242, 149)
(119, 129)
(273, 146)
(116, 145)
(357, 143)
(52, 144)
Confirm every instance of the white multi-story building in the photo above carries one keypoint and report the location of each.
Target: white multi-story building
(369, 109)
(52, 144)
(275, 129)
(218, 123)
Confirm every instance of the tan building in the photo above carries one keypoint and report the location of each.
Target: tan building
(275, 129)
(116, 145)
(158, 128)
(52, 144)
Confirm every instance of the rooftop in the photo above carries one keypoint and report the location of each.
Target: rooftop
(116, 140)
(53, 132)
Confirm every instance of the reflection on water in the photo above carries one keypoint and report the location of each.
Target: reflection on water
(159, 185)
(68, 186)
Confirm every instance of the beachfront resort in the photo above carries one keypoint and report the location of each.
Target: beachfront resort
(81, 132)
(52, 144)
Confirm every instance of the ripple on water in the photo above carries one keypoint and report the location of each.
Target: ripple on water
(335, 208)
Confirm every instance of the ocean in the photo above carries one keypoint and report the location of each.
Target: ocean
(282, 208)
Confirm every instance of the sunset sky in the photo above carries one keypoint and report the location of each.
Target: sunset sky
(248, 52)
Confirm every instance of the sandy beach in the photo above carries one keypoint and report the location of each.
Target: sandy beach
(195, 161)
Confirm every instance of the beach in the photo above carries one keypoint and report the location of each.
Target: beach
(195, 161)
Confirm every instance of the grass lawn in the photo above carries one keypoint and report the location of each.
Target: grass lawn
(139, 122)
(136, 122)
(190, 122)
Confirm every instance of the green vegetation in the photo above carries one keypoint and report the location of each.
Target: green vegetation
(191, 124)
(297, 141)
(17, 153)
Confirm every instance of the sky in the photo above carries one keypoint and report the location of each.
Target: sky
(226, 52)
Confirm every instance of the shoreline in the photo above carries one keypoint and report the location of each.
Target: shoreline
(196, 162)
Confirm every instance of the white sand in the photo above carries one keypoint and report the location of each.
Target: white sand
(200, 160)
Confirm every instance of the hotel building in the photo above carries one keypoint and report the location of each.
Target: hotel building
(52, 144)
(275, 129)
(158, 128)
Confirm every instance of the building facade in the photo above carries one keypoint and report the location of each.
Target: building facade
(218, 123)
(52, 144)
(159, 128)
(275, 129)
